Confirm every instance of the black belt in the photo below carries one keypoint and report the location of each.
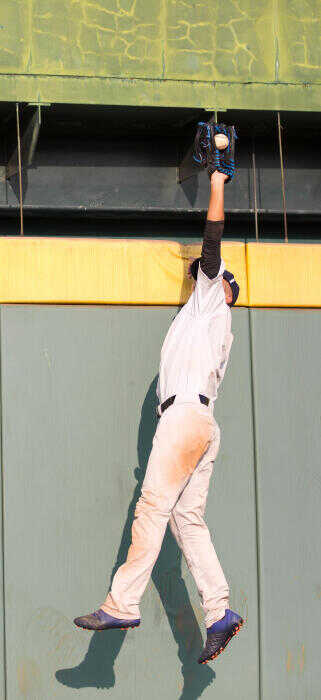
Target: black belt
(168, 402)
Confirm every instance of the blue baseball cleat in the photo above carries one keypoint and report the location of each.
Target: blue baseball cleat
(219, 635)
(99, 620)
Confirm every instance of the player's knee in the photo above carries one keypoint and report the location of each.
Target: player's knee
(191, 517)
(150, 502)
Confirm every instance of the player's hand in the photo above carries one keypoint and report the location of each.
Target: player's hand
(217, 177)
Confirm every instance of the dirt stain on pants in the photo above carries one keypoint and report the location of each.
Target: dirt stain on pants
(174, 489)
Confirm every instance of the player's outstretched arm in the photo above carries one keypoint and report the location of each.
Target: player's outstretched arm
(211, 249)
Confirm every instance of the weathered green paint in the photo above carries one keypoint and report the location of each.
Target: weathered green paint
(287, 391)
(2, 607)
(215, 54)
(160, 93)
(78, 419)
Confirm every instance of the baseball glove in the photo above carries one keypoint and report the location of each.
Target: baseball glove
(207, 155)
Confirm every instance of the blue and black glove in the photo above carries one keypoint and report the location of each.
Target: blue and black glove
(207, 155)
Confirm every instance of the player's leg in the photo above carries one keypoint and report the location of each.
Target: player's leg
(191, 532)
(192, 535)
(181, 438)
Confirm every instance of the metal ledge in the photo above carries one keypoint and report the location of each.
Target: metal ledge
(211, 96)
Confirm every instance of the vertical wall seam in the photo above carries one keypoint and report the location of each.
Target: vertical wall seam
(257, 519)
(247, 273)
(2, 521)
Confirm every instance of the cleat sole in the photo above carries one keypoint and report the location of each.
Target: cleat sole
(220, 651)
(88, 629)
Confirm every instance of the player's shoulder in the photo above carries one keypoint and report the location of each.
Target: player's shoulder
(209, 282)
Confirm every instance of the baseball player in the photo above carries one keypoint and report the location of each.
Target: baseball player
(192, 365)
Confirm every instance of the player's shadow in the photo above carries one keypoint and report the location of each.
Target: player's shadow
(97, 668)
(167, 576)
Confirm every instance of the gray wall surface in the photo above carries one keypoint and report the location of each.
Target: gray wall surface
(104, 177)
(2, 634)
(287, 393)
(96, 160)
(78, 418)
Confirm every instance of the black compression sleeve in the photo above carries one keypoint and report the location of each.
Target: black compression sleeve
(211, 249)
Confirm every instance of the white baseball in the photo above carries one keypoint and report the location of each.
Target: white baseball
(221, 141)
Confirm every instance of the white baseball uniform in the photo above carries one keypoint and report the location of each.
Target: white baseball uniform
(193, 361)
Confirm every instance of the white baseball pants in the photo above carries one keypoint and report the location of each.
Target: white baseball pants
(174, 490)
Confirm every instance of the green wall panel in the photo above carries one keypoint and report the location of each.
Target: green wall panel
(189, 42)
(78, 395)
(297, 41)
(161, 93)
(163, 39)
(287, 390)
(2, 633)
(78, 421)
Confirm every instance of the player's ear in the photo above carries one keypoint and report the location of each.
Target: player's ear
(229, 294)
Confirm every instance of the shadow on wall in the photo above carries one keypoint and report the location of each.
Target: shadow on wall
(97, 668)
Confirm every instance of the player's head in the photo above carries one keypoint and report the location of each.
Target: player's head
(231, 287)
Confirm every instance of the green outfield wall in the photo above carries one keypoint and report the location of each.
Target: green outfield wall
(2, 635)
(78, 417)
(217, 55)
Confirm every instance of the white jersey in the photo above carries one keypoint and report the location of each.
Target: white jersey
(197, 346)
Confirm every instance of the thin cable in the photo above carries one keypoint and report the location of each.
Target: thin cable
(283, 182)
(20, 169)
(255, 194)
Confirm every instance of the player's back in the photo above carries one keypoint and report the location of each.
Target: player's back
(196, 348)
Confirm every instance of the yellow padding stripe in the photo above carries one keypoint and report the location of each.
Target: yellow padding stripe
(102, 271)
(282, 274)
